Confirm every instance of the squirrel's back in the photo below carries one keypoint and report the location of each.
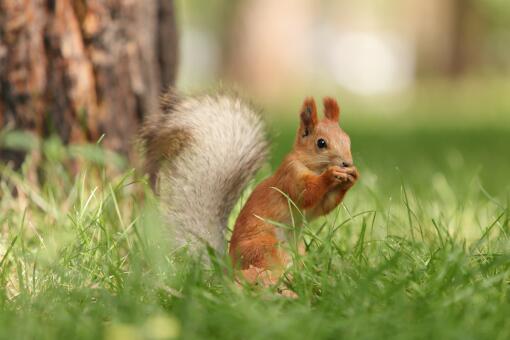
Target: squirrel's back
(201, 152)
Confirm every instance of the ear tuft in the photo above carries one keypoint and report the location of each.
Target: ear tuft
(331, 109)
(308, 116)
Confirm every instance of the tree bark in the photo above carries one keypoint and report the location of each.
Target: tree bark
(84, 68)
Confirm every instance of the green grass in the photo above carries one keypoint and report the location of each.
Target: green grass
(419, 249)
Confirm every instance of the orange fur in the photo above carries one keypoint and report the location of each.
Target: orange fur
(316, 179)
(331, 109)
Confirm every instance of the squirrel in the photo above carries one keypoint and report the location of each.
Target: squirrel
(200, 153)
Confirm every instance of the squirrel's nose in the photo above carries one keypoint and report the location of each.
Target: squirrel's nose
(346, 164)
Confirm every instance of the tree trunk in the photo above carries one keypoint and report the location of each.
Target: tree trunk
(84, 68)
(466, 41)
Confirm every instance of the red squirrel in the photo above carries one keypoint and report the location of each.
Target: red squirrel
(201, 152)
(315, 175)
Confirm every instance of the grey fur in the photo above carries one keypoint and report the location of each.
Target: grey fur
(216, 144)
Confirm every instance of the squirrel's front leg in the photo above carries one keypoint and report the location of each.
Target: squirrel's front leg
(317, 186)
(333, 198)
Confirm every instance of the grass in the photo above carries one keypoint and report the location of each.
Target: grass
(419, 249)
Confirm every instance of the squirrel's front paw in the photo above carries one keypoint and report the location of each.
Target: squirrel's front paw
(352, 177)
(335, 174)
(346, 177)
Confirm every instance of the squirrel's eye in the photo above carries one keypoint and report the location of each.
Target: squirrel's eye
(321, 143)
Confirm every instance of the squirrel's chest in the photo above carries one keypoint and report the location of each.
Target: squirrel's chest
(330, 199)
(327, 203)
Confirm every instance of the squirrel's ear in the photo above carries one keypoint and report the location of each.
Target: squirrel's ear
(331, 109)
(308, 117)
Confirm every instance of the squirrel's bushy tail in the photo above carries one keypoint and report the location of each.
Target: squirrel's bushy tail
(200, 153)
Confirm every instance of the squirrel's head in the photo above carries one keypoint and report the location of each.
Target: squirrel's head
(322, 143)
